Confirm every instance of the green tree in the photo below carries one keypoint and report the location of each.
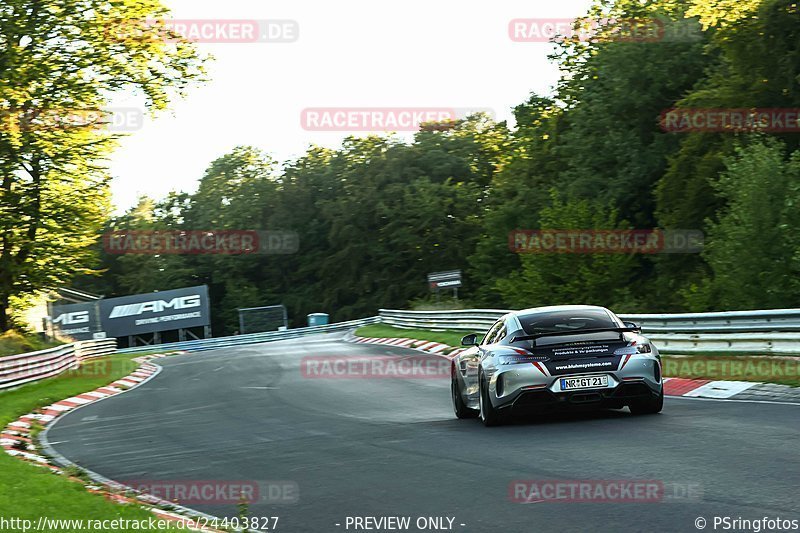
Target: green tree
(61, 63)
(567, 278)
(515, 196)
(753, 249)
(238, 191)
(753, 50)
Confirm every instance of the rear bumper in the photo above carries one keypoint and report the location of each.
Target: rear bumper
(528, 387)
(543, 400)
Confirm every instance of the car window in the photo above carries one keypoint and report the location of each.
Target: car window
(490, 335)
(553, 321)
(488, 338)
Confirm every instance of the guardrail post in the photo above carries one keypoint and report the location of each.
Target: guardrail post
(77, 352)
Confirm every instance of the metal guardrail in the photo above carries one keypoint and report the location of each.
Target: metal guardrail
(465, 319)
(760, 343)
(764, 332)
(775, 331)
(16, 370)
(96, 348)
(771, 332)
(726, 321)
(729, 321)
(251, 338)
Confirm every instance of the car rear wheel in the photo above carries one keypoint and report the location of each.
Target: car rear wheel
(649, 406)
(460, 408)
(488, 414)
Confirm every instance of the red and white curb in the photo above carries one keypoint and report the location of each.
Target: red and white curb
(16, 440)
(16, 436)
(435, 348)
(692, 388)
(703, 388)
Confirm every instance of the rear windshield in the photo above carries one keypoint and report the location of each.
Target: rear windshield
(567, 321)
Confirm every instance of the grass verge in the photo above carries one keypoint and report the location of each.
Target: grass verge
(713, 366)
(27, 491)
(13, 342)
(452, 338)
(764, 369)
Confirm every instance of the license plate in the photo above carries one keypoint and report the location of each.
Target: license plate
(584, 382)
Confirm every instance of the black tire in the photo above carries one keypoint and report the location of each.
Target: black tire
(650, 406)
(488, 414)
(460, 408)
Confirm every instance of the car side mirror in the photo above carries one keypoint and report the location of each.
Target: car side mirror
(469, 340)
(633, 325)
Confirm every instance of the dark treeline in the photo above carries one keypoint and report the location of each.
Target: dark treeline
(376, 215)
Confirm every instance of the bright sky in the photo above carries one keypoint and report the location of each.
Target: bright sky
(350, 53)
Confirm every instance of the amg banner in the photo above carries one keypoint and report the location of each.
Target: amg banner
(79, 321)
(155, 311)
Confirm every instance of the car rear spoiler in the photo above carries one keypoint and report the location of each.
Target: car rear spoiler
(573, 332)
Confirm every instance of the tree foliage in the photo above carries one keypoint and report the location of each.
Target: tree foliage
(61, 63)
(754, 247)
(377, 214)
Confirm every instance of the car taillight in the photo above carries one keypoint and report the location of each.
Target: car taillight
(641, 348)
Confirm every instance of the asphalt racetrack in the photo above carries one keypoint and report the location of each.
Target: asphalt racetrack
(392, 447)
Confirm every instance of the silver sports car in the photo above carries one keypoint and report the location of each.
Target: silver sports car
(559, 357)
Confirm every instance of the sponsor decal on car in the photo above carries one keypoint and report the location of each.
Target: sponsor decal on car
(582, 366)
